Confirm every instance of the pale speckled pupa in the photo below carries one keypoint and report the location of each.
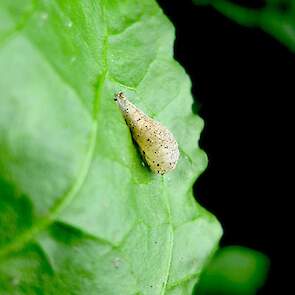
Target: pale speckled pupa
(156, 143)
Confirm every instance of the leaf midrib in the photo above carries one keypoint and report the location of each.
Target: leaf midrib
(69, 195)
(64, 200)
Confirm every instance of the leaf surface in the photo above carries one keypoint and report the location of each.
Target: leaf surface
(79, 212)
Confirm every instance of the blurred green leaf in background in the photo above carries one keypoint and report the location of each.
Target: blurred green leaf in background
(276, 17)
(234, 270)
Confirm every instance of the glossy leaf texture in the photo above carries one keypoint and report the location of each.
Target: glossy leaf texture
(79, 212)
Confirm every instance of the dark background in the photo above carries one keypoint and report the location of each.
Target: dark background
(243, 82)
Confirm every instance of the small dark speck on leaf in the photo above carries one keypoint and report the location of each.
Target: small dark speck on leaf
(116, 262)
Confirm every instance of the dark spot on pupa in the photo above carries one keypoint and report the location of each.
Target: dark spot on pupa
(143, 152)
(148, 139)
(158, 165)
(158, 171)
(115, 99)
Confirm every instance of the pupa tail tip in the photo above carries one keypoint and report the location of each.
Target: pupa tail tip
(119, 95)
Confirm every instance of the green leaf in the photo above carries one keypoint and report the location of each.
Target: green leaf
(277, 17)
(234, 270)
(79, 212)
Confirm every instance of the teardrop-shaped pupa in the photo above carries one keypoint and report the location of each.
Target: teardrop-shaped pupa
(156, 143)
